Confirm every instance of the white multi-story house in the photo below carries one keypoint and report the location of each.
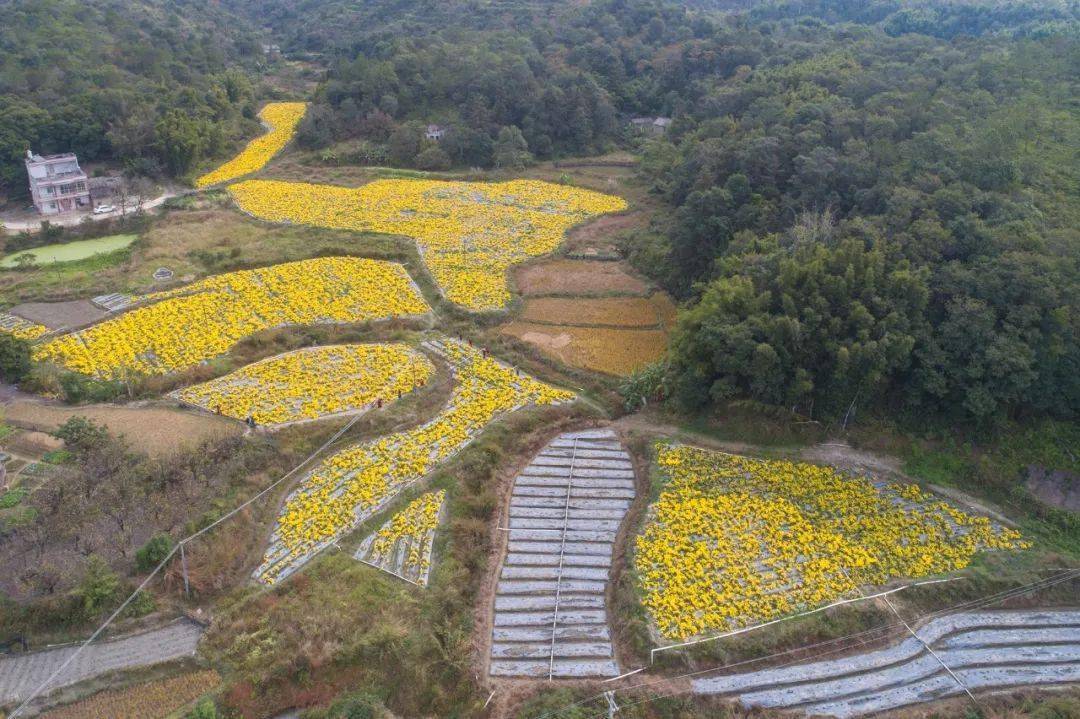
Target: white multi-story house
(57, 183)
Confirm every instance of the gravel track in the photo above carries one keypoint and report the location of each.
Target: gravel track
(985, 650)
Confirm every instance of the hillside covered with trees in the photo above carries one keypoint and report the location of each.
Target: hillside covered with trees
(863, 220)
(154, 85)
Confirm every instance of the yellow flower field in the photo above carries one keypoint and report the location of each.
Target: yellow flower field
(282, 118)
(403, 545)
(180, 328)
(23, 329)
(469, 233)
(350, 486)
(733, 541)
(312, 383)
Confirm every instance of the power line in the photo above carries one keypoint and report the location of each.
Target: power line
(986, 601)
(178, 546)
(983, 601)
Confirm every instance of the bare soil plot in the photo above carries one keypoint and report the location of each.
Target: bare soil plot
(60, 315)
(158, 431)
(602, 349)
(577, 277)
(610, 311)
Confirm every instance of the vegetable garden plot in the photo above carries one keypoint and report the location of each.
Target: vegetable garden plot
(402, 546)
(348, 487)
(180, 328)
(313, 383)
(282, 119)
(732, 540)
(469, 233)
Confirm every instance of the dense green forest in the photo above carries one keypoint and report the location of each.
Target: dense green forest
(867, 221)
(154, 84)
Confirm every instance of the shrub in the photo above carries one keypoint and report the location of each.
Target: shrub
(78, 388)
(205, 709)
(81, 434)
(153, 552)
(14, 358)
(98, 588)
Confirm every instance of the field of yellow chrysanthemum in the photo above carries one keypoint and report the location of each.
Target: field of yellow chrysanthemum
(469, 233)
(403, 545)
(23, 329)
(350, 486)
(282, 119)
(180, 328)
(312, 383)
(733, 541)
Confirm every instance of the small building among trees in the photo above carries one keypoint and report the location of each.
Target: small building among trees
(651, 125)
(57, 183)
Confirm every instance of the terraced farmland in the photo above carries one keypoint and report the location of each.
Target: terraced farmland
(550, 619)
(948, 656)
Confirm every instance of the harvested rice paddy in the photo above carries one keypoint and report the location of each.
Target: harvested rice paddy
(577, 277)
(601, 349)
(646, 312)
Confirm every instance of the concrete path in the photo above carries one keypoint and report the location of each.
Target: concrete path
(565, 510)
(20, 674)
(28, 221)
(984, 650)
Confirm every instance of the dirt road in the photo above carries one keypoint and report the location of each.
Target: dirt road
(23, 221)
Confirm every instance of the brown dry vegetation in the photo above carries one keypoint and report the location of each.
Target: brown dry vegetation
(598, 237)
(158, 431)
(602, 349)
(152, 700)
(577, 277)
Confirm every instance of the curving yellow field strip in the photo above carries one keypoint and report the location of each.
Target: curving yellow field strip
(312, 383)
(469, 233)
(181, 328)
(282, 117)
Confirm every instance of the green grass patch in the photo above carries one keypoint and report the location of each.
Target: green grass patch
(998, 472)
(69, 251)
(12, 498)
(57, 456)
